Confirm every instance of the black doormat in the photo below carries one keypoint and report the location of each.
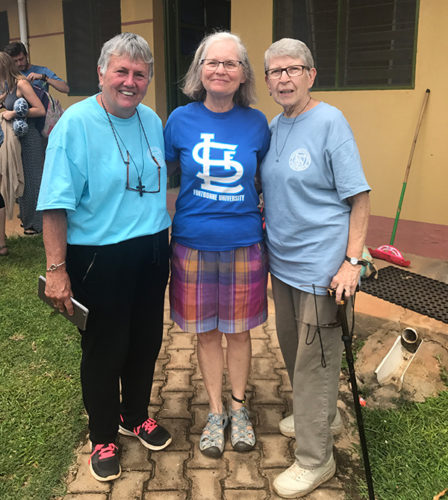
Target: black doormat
(410, 290)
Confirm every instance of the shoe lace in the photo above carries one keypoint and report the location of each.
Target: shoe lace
(213, 432)
(298, 472)
(148, 425)
(105, 451)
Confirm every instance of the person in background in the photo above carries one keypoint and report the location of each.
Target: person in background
(11, 175)
(16, 86)
(103, 197)
(40, 76)
(316, 207)
(218, 264)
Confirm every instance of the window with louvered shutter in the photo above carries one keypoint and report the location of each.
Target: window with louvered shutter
(4, 29)
(87, 25)
(356, 44)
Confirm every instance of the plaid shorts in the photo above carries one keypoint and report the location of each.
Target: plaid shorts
(218, 290)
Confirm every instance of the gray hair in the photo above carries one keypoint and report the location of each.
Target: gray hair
(192, 84)
(126, 44)
(289, 47)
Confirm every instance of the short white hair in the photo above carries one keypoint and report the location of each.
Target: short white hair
(126, 44)
(289, 47)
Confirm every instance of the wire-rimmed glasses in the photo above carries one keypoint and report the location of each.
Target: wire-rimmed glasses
(213, 64)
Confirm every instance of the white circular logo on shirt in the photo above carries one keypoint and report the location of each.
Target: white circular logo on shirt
(299, 160)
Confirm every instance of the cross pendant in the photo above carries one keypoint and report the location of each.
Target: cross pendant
(140, 187)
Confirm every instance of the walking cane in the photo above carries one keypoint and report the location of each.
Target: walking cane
(347, 339)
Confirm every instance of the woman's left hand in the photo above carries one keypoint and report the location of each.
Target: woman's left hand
(345, 281)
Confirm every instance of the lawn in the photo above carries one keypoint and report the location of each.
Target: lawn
(41, 419)
(408, 449)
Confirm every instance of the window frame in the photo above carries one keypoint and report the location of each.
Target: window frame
(4, 24)
(92, 16)
(339, 67)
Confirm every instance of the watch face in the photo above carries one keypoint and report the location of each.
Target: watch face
(354, 261)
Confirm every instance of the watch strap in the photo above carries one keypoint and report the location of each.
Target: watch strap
(359, 262)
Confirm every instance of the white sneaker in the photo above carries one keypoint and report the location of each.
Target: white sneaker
(286, 425)
(297, 482)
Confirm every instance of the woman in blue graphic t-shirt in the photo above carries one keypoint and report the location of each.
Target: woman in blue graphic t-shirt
(219, 267)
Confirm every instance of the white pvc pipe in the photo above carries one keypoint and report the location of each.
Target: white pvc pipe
(21, 4)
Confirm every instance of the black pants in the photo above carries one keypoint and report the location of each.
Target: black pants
(123, 286)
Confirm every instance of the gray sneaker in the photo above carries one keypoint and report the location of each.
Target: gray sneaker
(211, 443)
(286, 425)
(242, 435)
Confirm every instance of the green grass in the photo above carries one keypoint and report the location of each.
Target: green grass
(41, 418)
(408, 449)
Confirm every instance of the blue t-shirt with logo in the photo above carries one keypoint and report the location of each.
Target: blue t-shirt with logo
(216, 208)
(310, 170)
(84, 174)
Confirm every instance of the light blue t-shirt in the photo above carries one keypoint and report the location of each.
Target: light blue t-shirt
(310, 170)
(42, 70)
(216, 209)
(85, 174)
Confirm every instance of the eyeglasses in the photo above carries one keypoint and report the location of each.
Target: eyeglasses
(140, 188)
(291, 71)
(213, 64)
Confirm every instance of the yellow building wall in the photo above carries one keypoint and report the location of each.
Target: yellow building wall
(384, 124)
(252, 21)
(46, 38)
(137, 16)
(383, 121)
(46, 45)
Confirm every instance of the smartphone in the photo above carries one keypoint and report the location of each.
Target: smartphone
(80, 314)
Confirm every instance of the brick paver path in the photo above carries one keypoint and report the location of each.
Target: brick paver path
(179, 402)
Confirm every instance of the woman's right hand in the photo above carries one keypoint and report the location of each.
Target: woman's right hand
(9, 115)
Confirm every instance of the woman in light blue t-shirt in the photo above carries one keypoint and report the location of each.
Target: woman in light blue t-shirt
(316, 207)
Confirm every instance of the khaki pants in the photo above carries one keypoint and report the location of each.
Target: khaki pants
(315, 387)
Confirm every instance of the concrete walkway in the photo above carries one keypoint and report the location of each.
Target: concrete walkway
(179, 402)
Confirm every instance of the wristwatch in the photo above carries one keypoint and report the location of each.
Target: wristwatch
(44, 77)
(356, 262)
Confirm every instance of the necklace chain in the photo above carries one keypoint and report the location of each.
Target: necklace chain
(289, 131)
(116, 136)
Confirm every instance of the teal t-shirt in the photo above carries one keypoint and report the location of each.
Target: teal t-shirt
(84, 174)
(310, 170)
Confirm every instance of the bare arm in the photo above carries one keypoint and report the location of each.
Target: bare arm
(36, 108)
(57, 84)
(347, 277)
(58, 287)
